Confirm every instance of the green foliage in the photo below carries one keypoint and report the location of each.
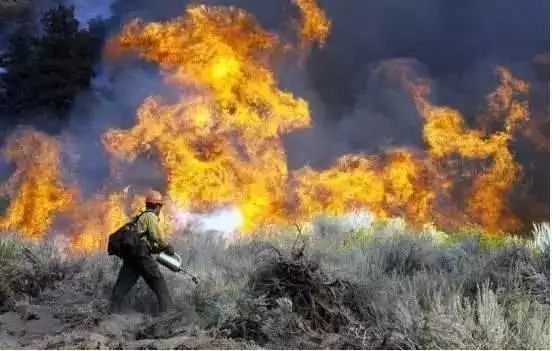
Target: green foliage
(357, 238)
(18, 83)
(10, 248)
(44, 74)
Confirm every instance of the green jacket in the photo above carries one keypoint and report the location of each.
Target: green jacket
(149, 223)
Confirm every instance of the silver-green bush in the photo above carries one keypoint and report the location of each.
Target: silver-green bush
(408, 289)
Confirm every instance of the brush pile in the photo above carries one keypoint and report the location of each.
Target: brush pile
(26, 277)
(291, 298)
(319, 299)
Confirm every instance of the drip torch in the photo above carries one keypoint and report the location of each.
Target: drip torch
(174, 263)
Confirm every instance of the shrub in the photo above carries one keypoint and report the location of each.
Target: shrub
(396, 289)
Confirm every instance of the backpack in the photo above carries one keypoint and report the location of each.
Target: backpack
(127, 241)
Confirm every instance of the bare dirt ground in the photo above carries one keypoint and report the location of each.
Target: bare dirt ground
(44, 327)
(72, 313)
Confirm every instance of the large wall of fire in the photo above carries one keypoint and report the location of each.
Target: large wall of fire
(220, 143)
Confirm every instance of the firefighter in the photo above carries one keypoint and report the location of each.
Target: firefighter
(143, 264)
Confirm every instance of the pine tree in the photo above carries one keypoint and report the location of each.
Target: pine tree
(45, 74)
(18, 83)
(66, 58)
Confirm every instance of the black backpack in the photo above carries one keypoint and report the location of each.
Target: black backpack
(127, 241)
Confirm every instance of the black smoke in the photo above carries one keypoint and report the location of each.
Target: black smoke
(458, 44)
(356, 105)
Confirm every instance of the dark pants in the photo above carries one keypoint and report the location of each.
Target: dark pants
(134, 268)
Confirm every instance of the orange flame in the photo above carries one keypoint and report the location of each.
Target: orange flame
(314, 25)
(92, 221)
(36, 188)
(506, 105)
(395, 185)
(220, 143)
(446, 135)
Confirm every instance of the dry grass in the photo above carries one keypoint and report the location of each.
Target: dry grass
(362, 288)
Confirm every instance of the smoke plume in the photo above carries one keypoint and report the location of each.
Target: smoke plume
(372, 89)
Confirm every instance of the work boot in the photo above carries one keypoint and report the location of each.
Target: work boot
(164, 305)
(167, 311)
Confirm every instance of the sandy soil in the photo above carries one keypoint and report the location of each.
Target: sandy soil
(38, 327)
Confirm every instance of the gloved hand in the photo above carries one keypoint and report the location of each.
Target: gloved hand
(169, 250)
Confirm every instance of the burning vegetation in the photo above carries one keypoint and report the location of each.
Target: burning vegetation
(36, 187)
(220, 142)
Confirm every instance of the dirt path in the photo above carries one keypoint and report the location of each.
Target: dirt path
(37, 327)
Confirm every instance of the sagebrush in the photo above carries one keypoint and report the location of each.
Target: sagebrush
(368, 285)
